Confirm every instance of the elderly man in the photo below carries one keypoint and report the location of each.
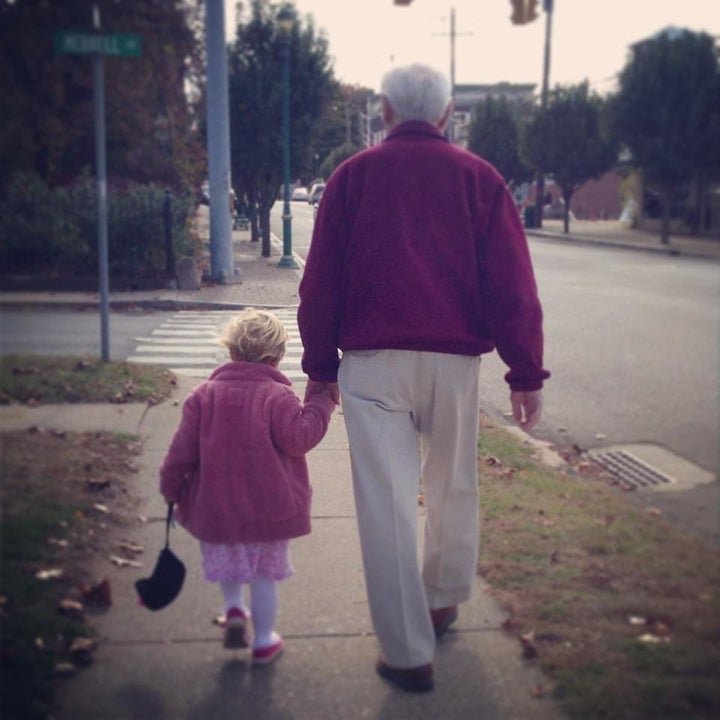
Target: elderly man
(418, 265)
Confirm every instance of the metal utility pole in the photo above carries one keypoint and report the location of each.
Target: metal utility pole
(218, 144)
(453, 35)
(540, 177)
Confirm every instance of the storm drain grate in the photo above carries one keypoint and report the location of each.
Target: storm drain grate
(632, 471)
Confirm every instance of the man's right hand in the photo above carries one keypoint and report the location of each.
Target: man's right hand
(527, 408)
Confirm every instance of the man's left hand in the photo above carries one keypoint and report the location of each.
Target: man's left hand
(315, 386)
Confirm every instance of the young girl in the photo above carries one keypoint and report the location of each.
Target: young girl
(236, 469)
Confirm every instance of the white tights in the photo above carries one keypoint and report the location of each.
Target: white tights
(263, 606)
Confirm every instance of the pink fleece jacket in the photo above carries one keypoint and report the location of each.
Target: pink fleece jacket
(236, 466)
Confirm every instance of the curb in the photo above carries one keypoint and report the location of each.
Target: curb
(672, 251)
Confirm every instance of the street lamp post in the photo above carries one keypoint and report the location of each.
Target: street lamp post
(540, 178)
(285, 23)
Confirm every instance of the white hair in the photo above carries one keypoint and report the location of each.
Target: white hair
(416, 92)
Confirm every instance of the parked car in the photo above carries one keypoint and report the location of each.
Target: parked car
(316, 192)
(300, 194)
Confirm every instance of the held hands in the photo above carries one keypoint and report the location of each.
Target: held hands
(314, 387)
(527, 408)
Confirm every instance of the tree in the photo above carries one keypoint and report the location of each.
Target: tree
(342, 123)
(494, 134)
(338, 156)
(47, 105)
(256, 105)
(667, 110)
(571, 139)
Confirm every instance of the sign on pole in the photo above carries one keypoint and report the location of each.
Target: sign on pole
(114, 45)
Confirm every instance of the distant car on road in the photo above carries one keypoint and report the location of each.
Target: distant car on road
(316, 192)
(300, 194)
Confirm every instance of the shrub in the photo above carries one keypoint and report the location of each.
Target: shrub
(55, 229)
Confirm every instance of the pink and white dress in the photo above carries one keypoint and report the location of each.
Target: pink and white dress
(245, 562)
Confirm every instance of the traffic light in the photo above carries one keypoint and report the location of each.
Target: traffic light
(524, 11)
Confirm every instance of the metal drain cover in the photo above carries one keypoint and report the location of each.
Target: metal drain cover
(651, 467)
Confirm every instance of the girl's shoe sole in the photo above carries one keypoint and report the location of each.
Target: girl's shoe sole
(266, 656)
(235, 637)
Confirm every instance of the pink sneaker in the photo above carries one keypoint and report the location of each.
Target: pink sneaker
(235, 636)
(269, 654)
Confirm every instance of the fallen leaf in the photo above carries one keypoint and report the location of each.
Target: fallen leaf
(71, 608)
(97, 594)
(124, 562)
(528, 645)
(653, 639)
(636, 620)
(95, 484)
(64, 669)
(131, 548)
(654, 512)
(82, 649)
(101, 508)
(50, 574)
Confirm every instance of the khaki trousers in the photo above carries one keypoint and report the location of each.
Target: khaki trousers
(412, 419)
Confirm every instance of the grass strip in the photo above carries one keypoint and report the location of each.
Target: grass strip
(51, 533)
(36, 379)
(618, 607)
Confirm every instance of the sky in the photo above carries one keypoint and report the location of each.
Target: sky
(590, 38)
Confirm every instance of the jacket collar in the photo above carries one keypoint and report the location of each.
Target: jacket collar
(416, 127)
(248, 371)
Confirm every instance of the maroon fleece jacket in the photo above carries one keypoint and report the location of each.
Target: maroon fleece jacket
(418, 245)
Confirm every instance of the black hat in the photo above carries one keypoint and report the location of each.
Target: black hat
(164, 585)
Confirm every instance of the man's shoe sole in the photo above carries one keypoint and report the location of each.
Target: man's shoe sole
(442, 626)
(415, 680)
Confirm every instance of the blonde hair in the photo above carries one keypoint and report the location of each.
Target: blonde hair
(255, 336)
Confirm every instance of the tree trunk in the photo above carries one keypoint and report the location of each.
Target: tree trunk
(665, 227)
(254, 229)
(702, 203)
(567, 196)
(265, 230)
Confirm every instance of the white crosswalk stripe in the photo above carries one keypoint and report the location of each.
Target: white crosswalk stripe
(187, 343)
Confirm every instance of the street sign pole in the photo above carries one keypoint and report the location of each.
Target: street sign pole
(97, 46)
(99, 101)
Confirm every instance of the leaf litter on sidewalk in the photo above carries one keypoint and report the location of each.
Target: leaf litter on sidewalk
(68, 502)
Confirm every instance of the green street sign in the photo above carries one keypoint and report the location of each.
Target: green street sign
(115, 45)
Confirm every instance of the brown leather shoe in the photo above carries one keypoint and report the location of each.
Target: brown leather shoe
(415, 679)
(443, 618)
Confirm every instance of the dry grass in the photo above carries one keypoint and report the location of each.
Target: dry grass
(620, 608)
(35, 379)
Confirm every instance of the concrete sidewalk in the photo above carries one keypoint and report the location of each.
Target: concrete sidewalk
(170, 665)
(612, 233)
